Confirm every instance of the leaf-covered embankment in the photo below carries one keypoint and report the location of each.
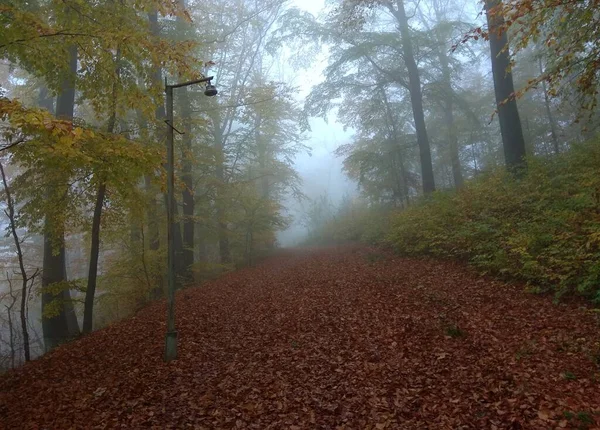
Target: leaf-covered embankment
(347, 337)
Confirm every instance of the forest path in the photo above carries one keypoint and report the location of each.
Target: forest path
(331, 338)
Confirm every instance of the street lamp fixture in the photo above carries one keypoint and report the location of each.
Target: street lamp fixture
(210, 90)
(171, 336)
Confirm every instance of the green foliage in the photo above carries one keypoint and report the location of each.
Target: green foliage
(131, 280)
(543, 229)
(582, 419)
(56, 289)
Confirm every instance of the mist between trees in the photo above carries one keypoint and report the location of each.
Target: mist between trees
(436, 94)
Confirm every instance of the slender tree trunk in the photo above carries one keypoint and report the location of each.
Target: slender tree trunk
(45, 99)
(161, 115)
(11, 330)
(508, 113)
(452, 138)
(152, 210)
(88, 312)
(152, 215)
(188, 211)
(24, 278)
(551, 120)
(224, 252)
(449, 121)
(397, 155)
(153, 232)
(61, 327)
(136, 220)
(262, 157)
(416, 98)
(90, 293)
(187, 251)
(449, 100)
(188, 188)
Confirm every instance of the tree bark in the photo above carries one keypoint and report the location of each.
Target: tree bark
(397, 153)
(24, 278)
(551, 120)
(161, 115)
(449, 121)
(88, 312)
(453, 144)
(90, 293)
(416, 98)
(224, 252)
(152, 210)
(11, 338)
(188, 188)
(513, 141)
(62, 327)
(262, 157)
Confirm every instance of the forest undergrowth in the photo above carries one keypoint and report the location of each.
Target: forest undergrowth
(349, 337)
(541, 229)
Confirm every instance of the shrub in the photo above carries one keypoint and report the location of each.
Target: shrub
(543, 228)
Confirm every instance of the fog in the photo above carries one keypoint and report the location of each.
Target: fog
(321, 174)
(281, 124)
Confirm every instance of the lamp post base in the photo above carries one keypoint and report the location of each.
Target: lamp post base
(170, 346)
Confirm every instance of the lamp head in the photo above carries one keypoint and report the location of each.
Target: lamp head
(210, 90)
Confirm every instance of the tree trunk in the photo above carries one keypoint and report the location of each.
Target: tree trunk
(449, 121)
(11, 337)
(453, 145)
(188, 188)
(396, 153)
(88, 312)
(224, 252)
(45, 99)
(508, 113)
(152, 215)
(442, 53)
(152, 210)
(262, 157)
(161, 115)
(24, 278)
(63, 326)
(551, 120)
(416, 98)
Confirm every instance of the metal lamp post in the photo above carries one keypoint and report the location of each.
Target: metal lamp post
(171, 336)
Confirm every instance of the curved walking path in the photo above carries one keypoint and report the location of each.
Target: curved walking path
(345, 338)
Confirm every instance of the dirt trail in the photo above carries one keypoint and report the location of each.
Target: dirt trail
(341, 338)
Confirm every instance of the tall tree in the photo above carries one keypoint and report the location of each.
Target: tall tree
(549, 115)
(90, 292)
(12, 217)
(63, 325)
(508, 113)
(416, 97)
(187, 197)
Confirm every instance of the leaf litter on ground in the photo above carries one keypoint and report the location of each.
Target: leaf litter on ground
(327, 339)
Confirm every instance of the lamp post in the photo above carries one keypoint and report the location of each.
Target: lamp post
(171, 336)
